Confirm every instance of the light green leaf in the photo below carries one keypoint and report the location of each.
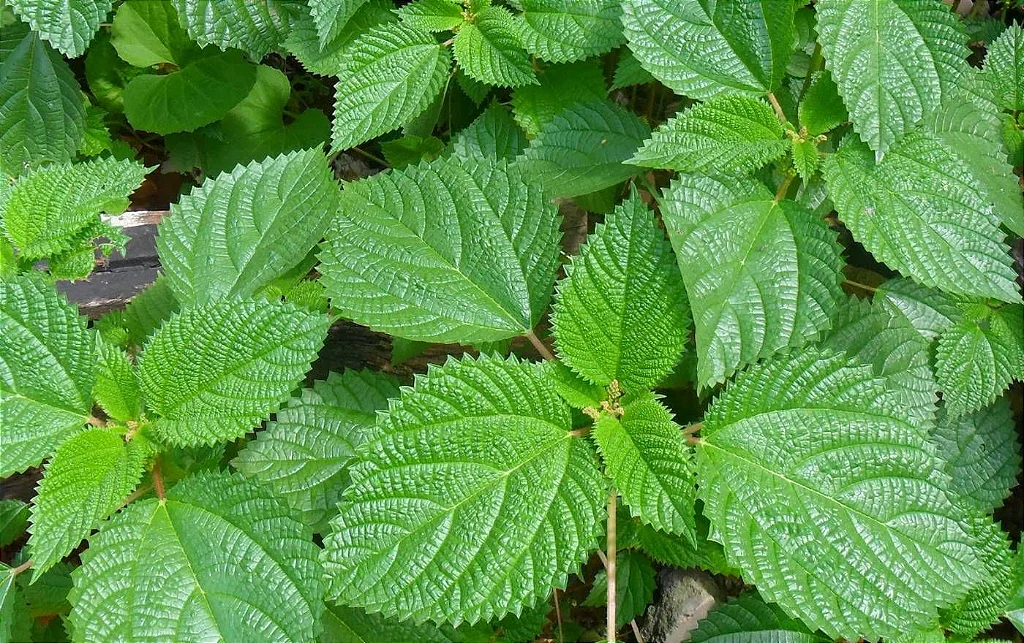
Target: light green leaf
(472, 469)
(182, 101)
(888, 92)
(87, 479)
(42, 111)
(303, 455)
(674, 550)
(148, 310)
(146, 33)
(453, 251)
(493, 135)
(47, 369)
(929, 311)
(634, 586)
(985, 603)
(811, 476)
(353, 625)
(265, 586)
(732, 133)
(821, 109)
(235, 234)
(761, 275)
(565, 31)
(1015, 610)
(805, 157)
(117, 387)
(68, 25)
(433, 15)
(923, 213)
(621, 312)
(391, 74)
(561, 87)
(1004, 65)
(332, 16)
(701, 49)
(254, 27)
(330, 59)
(648, 462)
(572, 388)
(585, 148)
(748, 619)
(490, 51)
(13, 519)
(205, 394)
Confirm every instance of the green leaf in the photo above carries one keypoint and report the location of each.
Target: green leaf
(494, 135)
(888, 92)
(985, 603)
(68, 25)
(1015, 610)
(811, 476)
(572, 388)
(238, 232)
(733, 133)
(749, 619)
(13, 519)
(332, 16)
(264, 586)
(331, 58)
(621, 312)
(55, 208)
(490, 51)
(205, 393)
(565, 31)
(761, 275)
(198, 94)
(473, 469)
(353, 625)
(147, 33)
(433, 15)
(391, 74)
(87, 479)
(303, 455)
(929, 311)
(821, 109)
(1004, 65)
(47, 369)
(411, 149)
(148, 310)
(585, 148)
(117, 386)
(47, 594)
(634, 587)
(561, 87)
(923, 213)
(674, 550)
(453, 251)
(254, 27)
(702, 49)
(629, 72)
(42, 111)
(648, 462)
(805, 157)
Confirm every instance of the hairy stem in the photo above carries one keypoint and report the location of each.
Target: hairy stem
(692, 440)
(158, 479)
(693, 428)
(857, 284)
(558, 617)
(25, 566)
(544, 351)
(636, 631)
(610, 537)
(777, 107)
(95, 421)
(781, 193)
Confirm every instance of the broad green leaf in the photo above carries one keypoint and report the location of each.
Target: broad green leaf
(489, 50)
(391, 74)
(923, 213)
(474, 499)
(353, 625)
(433, 15)
(146, 33)
(585, 148)
(805, 157)
(303, 455)
(634, 586)
(649, 464)
(42, 112)
(886, 91)
(929, 311)
(985, 603)
(238, 232)
(13, 520)
(148, 310)
(675, 550)
(332, 16)
(213, 372)
(732, 133)
(821, 109)
(87, 479)
(453, 251)
(565, 31)
(411, 149)
(493, 135)
(106, 74)
(254, 27)
(561, 87)
(117, 386)
(47, 594)
(47, 369)
(473, 89)
(331, 58)
(56, 208)
(629, 72)
(748, 619)
(701, 49)
(1004, 65)
(1015, 610)
(572, 388)
(812, 478)
(198, 94)
(68, 25)
(761, 275)
(621, 312)
(220, 559)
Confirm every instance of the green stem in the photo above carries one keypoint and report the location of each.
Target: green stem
(777, 107)
(814, 65)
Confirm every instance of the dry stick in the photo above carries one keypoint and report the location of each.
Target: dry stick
(778, 108)
(22, 567)
(636, 631)
(610, 538)
(539, 345)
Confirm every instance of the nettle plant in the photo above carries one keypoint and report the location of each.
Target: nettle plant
(852, 450)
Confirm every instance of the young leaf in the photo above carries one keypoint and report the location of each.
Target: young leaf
(812, 477)
(147, 33)
(390, 75)
(68, 25)
(433, 15)
(732, 132)
(621, 311)
(922, 212)
(985, 603)
(566, 31)
(494, 135)
(473, 469)
(761, 275)
(1004, 65)
(42, 113)
(805, 157)
(887, 92)
(238, 232)
(205, 393)
(821, 108)
(748, 618)
(634, 587)
(561, 87)
(489, 50)
(160, 570)
(331, 58)
(929, 311)
(453, 251)
(304, 453)
(254, 27)
(648, 463)
(117, 386)
(585, 148)
(702, 49)
(47, 369)
(87, 479)
(332, 16)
